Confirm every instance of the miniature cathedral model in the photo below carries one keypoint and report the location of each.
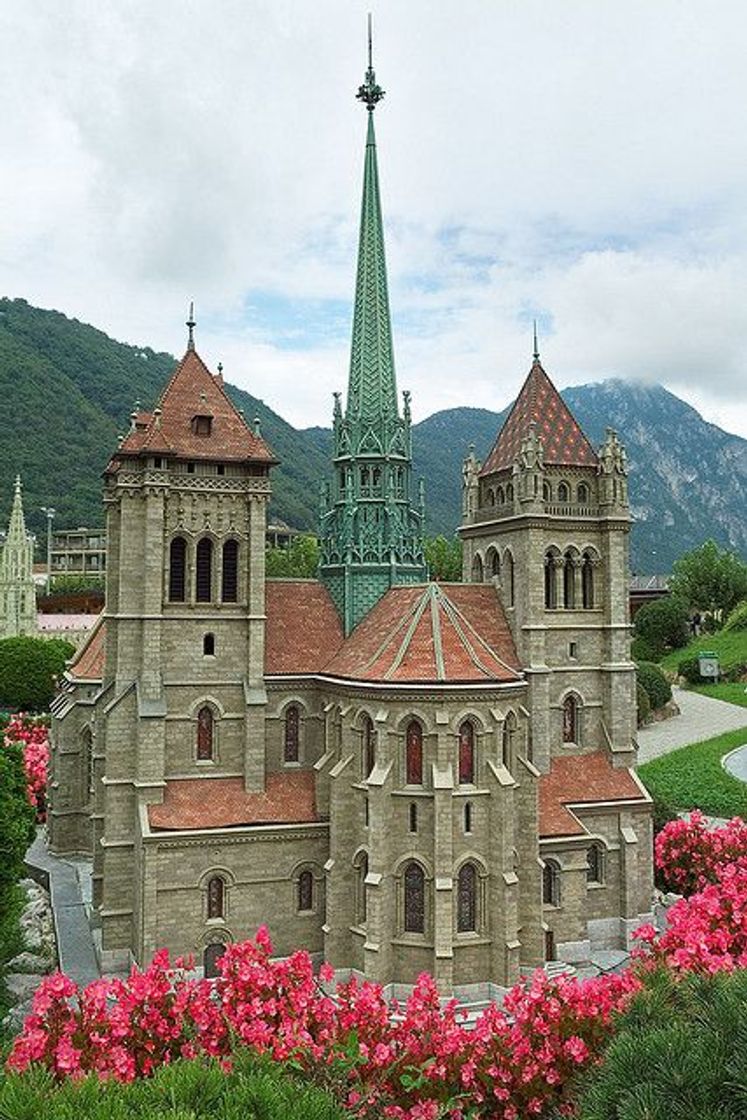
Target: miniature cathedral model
(393, 774)
(17, 588)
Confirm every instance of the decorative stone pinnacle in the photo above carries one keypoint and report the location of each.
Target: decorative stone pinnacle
(191, 324)
(370, 93)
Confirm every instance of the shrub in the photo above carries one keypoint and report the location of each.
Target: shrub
(643, 704)
(642, 650)
(663, 624)
(689, 668)
(737, 620)
(653, 681)
(29, 671)
(33, 737)
(690, 855)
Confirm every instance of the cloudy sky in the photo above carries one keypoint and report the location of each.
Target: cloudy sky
(581, 162)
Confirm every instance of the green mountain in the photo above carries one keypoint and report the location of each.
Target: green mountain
(69, 390)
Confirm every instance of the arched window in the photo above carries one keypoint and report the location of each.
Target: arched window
(595, 864)
(500, 497)
(491, 497)
(369, 746)
(507, 740)
(177, 570)
(570, 719)
(360, 878)
(205, 727)
(467, 899)
(494, 562)
(551, 583)
(551, 883)
(229, 588)
(546, 492)
(587, 581)
(305, 891)
(291, 733)
(569, 581)
(414, 879)
(468, 817)
(204, 571)
(510, 492)
(563, 492)
(508, 582)
(583, 494)
(413, 816)
(414, 754)
(208, 645)
(477, 569)
(216, 897)
(466, 754)
(210, 958)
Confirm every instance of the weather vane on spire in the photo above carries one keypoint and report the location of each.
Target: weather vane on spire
(191, 324)
(369, 92)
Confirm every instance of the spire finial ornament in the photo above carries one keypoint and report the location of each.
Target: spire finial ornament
(369, 92)
(536, 354)
(191, 324)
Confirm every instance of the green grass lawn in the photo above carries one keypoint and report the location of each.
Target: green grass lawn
(731, 648)
(732, 693)
(693, 777)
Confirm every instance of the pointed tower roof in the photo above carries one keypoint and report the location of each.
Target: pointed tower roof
(372, 386)
(540, 403)
(195, 419)
(17, 525)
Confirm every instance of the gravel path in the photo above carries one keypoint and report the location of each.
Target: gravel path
(701, 717)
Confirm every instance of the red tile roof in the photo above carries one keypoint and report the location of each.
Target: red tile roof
(168, 430)
(223, 802)
(88, 663)
(540, 402)
(455, 633)
(580, 780)
(303, 627)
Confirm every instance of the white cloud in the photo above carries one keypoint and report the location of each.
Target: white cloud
(578, 160)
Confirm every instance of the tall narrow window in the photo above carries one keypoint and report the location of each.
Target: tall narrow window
(230, 573)
(551, 586)
(413, 816)
(204, 571)
(569, 581)
(210, 958)
(205, 734)
(587, 582)
(414, 754)
(88, 755)
(583, 494)
(495, 563)
(468, 817)
(466, 754)
(414, 898)
(215, 898)
(467, 899)
(595, 864)
(546, 492)
(177, 569)
(369, 746)
(291, 733)
(208, 645)
(551, 883)
(570, 720)
(305, 891)
(362, 872)
(563, 492)
(508, 561)
(507, 740)
(477, 569)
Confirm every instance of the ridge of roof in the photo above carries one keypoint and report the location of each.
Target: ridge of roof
(539, 402)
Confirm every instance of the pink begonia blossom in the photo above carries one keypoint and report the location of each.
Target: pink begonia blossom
(34, 735)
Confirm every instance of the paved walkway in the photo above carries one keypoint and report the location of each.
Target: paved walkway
(701, 717)
(75, 949)
(736, 763)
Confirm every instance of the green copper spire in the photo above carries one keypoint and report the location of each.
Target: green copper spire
(371, 528)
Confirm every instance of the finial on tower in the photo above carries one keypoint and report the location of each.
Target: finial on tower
(191, 324)
(369, 92)
(536, 354)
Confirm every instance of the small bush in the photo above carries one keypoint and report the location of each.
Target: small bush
(690, 670)
(652, 679)
(643, 704)
(737, 620)
(663, 624)
(641, 649)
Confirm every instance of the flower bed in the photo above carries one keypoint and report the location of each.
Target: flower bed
(33, 733)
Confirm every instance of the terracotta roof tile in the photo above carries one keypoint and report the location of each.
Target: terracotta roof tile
(193, 391)
(580, 780)
(289, 798)
(432, 633)
(303, 627)
(88, 663)
(540, 402)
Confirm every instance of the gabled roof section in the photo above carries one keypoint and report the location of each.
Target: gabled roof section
(188, 803)
(171, 428)
(88, 662)
(540, 403)
(303, 629)
(455, 633)
(585, 779)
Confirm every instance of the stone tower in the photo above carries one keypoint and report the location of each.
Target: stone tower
(371, 527)
(17, 589)
(547, 520)
(186, 497)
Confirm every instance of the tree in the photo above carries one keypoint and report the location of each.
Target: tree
(299, 560)
(710, 579)
(663, 624)
(29, 671)
(17, 819)
(444, 558)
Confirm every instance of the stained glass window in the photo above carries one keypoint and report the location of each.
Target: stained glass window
(305, 891)
(205, 734)
(230, 573)
(466, 754)
(551, 883)
(467, 899)
(204, 571)
(177, 569)
(570, 720)
(414, 754)
(215, 896)
(414, 898)
(292, 722)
